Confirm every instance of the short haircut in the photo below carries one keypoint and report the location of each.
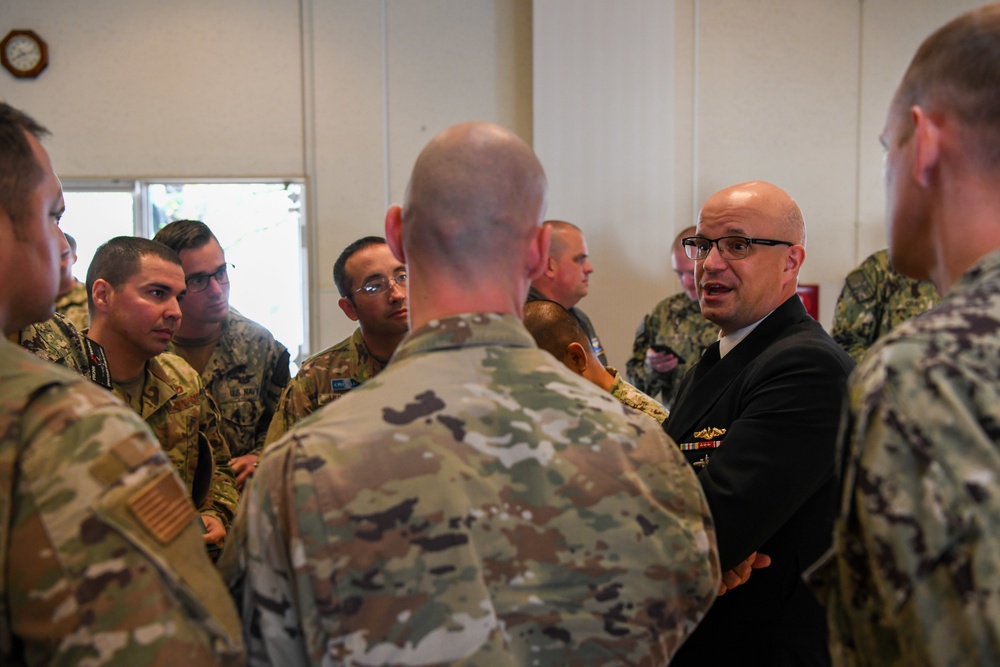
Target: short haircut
(20, 172)
(340, 277)
(184, 235)
(683, 234)
(957, 69)
(121, 258)
(557, 245)
(71, 241)
(553, 327)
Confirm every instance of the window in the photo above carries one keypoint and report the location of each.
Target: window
(258, 225)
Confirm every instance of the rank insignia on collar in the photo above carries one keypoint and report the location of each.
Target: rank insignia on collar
(709, 433)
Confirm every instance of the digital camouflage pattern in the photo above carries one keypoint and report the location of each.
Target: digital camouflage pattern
(59, 341)
(246, 373)
(874, 301)
(73, 306)
(186, 422)
(634, 398)
(322, 379)
(914, 578)
(477, 503)
(101, 560)
(676, 322)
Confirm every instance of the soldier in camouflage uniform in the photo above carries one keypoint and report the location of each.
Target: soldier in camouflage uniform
(58, 341)
(477, 502)
(372, 286)
(100, 557)
(875, 300)
(241, 364)
(557, 332)
(135, 285)
(72, 299)
(676, 323)
(914, 577)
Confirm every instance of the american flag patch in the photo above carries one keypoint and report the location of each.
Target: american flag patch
(162, 507)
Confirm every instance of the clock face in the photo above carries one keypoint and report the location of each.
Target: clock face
(23, 52)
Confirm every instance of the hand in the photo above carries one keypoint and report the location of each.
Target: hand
(215, 532)
(661, 362)
(243, 466)
(741, 573)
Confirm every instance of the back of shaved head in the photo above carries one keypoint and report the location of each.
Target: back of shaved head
(553, 327)
(476, 194)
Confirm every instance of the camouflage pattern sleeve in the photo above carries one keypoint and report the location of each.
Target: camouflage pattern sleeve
(104, 560)
(874, 301)
(323, 378)
(634, 398)
(224, 496)
(640, 375)
(73, 306)
(677, 323)
(858, 312)
(911, 579)
(276, 379)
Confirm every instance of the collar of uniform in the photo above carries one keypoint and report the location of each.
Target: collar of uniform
(987, 265)
(727, 343)
(466, 330)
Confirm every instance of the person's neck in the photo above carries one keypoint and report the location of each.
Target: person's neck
(125, 362)
(69, 289)
(381, 347)
(198, 330)
(434, 301)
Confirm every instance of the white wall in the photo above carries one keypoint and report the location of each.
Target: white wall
(790, 91)
(639, 110)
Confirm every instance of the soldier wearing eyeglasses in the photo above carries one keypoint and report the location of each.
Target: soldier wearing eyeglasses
(372, 286)
(758, 418)
(243, 367)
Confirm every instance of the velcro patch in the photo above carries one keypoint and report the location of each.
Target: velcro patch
(343, 384)
(861, 286)
(162, 507)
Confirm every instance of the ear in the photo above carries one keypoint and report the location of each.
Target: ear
(538, 252)
(394, 232)
(347, 306)
(926, 145)
(102, 292)
(575, 358)
(794, 258)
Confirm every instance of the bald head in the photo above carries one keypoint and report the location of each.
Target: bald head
(768, 205)
(476, 194)
(735, 292)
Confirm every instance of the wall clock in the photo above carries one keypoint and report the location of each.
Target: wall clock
(24, 53)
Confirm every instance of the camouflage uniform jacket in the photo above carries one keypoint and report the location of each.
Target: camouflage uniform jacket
(59, 341)
(876, 299)
(431, 516)
(324, 378)
(245, 375)
(101, 560)
(186, 422)
(634, 398)
(676, 322)
(913, 578)
(73, 305)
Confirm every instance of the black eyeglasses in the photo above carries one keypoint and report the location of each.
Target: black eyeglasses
(377, 286)
(730, 247)
(199, 281)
